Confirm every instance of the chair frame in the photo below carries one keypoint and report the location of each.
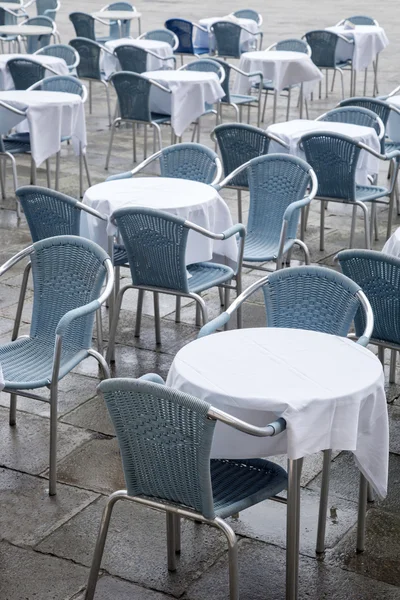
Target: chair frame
(54, 33)
(134, 10)
(27, 58)
(175, 37)
(259, 35)
(298, 204)
(194, 26)
(175, 511)
(150, 53)
(70, 67)
(53, 385)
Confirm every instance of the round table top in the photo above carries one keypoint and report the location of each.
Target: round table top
(15, 6)
(357, 29)
(38, 97)
(43, 59)
(270, 368)
(25, 30)
(276, 56)
(193, 76)
(161, 193)
(148, 44)
(300, 126)
(117, 15)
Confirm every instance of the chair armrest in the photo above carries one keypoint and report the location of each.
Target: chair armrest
(15, 259)
(153, 377)
(212, 326)
(363, 341)
(295, 206)
(345, 39)
(124, 175)
(201, 27)
(231, 176)
(91, 211)
(234, 230)
(101, 21)
(269, 430)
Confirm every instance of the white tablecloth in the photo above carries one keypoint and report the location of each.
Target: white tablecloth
(392, 246)
(57, 64)
(1, 379)
(369, 40)
(109, 64)
(206, 39)
(283, 68)
(191, 90)
(329, 390)
(393, 124)
(291, 132)
(191, 200)
(50, 116)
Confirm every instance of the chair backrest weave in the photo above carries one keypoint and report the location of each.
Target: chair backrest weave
(379, 107)
(189, 161)
(132, 58)
(247, 13)
(83, 24)
(68, 272)
(206, 65)
(313, 298)
(354, 115)
(63, 83)
(34, 42)
(334, 159)
(378, 275)
(48, 213)
(25, 72)
(161, 35)
(155, 243)
(227, 38)
(275, 182)
(165, 440)
(89, 55)
(361, 20)
(133, 93)
(63, 51)
(183, 30)
(292, 45)
(323, 45)
(238, 143)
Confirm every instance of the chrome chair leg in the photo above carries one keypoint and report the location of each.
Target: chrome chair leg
(157, 320)
(177, 526)
(110, 356)
(240, 207)
(292, 529)
(227, 292)
(53, 440)
(178, 309)
(13, 410)
(99, 331)
(392, 371)
(232, 557)
(323, 502)
(322, 226)
(170, 518)
(139, 309)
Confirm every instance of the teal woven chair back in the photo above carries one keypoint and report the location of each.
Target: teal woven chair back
(89, 54)
(133, 93)
(161, 35)
(132, 58)
(275, 182)
(334, 159)
(183, 30)
(189, 161)
(238, 143)
(62, 83)
(313, 298)
(115, 31)
(292, 45)
(207, 65)
(165, 440)
(60, 51)
(247, 13)
(379, 107)
(361, 20)
(354, 115)
(155, 243)
(35, 42)
(48, 8)
(25, 72)
(323, 45)
(83, 24)
(227, 38)
(379, 277)
(48, 213)
(68, 272)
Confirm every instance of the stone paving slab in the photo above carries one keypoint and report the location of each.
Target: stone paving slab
(110, 588)
(93, 415)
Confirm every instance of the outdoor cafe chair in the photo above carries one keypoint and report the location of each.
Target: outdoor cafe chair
(161, 35)
(280, 186)
(34, 42)
(155, 243)
(26, 71)
(68, 274)
(184, 31)
(238, 143)
(312, 298)
(182, 161)
(165, 438)
(47, 8)
(67, 53)
(248, 13)
(120, 29)
(84, 25)
(227, 38)
(135, 59)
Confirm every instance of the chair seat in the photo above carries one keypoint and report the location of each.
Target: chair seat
(238, 484)
(391, 146)
(366, 193)
(16, 146)
(259, 249)
(158, 118)
(198, 51)
(27, 363)
(206, 274)
(241, 99)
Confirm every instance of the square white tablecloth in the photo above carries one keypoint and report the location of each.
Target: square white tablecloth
(57, 64)
(50, 116)
(369, 40)
(283, 68)
(110, 64)
(206, 39)
(291, 132)
(191, 90)
(329, 390)
(190, 200)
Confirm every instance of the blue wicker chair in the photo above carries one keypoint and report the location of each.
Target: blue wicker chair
(237, 101)
(68, 274)
(248, 13)
(334, 159)
(84, 25)
(184, 30)
(67, 53)
(133, 92)
(278, 186)
(25, 72)
(289, 45)
(227, 39)
(182, 161)
(312, 298)
(238, 144)
(135, 59)
(176, 474)
(34, 42)
(155, 243)
(356, 116)
(48, 8)
(122, 29)
(161, 35)
(323, 46)
(89, 66)
(378, 275)
(10, 17)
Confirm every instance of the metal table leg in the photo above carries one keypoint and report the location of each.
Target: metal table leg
(293, 529)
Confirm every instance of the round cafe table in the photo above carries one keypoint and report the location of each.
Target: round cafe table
(120, 16)
(53, 62)
(190, 200)
(329, 390)
(25, 30)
